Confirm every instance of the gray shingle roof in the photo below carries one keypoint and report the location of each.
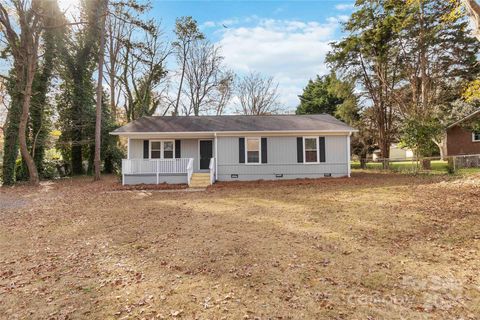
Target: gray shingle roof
(318, 122)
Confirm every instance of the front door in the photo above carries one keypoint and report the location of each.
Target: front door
(205, 153)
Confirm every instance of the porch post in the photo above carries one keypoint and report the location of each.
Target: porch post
(128, 148)
(216, 156)
(158, 169)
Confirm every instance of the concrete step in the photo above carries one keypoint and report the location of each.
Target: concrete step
(199, 185)
(200, 180)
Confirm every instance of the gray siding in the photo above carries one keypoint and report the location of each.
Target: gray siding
(282, 159)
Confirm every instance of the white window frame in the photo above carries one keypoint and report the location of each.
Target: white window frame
(259, 150)
(162, 149)
(473, 137)
(305, 151)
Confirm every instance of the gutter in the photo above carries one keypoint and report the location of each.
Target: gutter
(230, 133)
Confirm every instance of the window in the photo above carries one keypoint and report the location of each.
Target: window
(476, 136)
(155, 149)
(311, 149)
(253, 150)
(167, 149)
(162, 149)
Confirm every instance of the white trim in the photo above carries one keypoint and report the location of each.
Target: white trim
(216, 157)
(464, 118)
(259, 150)
(161, 148)
(305, 151)
(473, 137)
(128, 148)
(199, 151)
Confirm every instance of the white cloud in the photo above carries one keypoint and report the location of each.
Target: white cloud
(292, 51)
(345, 6)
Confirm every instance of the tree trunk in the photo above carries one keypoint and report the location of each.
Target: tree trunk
(98, 120)
(113, 105)
(10, 147)
(181, 82)
(363, 159)
(442, 147)
(473, 9)
(385, 152)
(426, 164)
(22, 128)
(76, 152)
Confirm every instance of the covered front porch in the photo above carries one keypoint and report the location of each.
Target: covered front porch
(156, 160)
(156, 171)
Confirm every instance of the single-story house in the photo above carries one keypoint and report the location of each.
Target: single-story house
(461, 138)
(201, 150)
(396, 153)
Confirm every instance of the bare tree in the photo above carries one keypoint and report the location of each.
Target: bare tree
(98, 112)
(143, 73)
(257, 94)
(187, 32)
(123, 25)
(202, 76)
(223, 91)
(116, 32)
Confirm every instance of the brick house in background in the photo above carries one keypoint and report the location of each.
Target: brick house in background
(460, 139)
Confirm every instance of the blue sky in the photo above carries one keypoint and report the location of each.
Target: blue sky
(284, 39)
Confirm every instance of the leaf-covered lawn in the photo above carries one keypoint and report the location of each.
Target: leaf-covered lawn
(378, 246)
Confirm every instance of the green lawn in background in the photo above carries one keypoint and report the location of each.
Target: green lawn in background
(438, 166)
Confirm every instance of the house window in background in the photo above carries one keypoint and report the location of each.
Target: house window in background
(253, 150)
(311, 149)
(476, 136)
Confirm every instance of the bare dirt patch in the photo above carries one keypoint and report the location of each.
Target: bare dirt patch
(378, 246)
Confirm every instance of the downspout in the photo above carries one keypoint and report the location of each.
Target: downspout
(128, 158)
(216, 156)
(349, 169)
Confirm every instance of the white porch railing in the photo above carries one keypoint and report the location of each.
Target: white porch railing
(155, 166)
(212, 170)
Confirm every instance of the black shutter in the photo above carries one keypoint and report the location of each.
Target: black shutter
(299, 149)
(146, 145)
(178, 150)
(264, 150)
(321, 141)
(241, 150)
